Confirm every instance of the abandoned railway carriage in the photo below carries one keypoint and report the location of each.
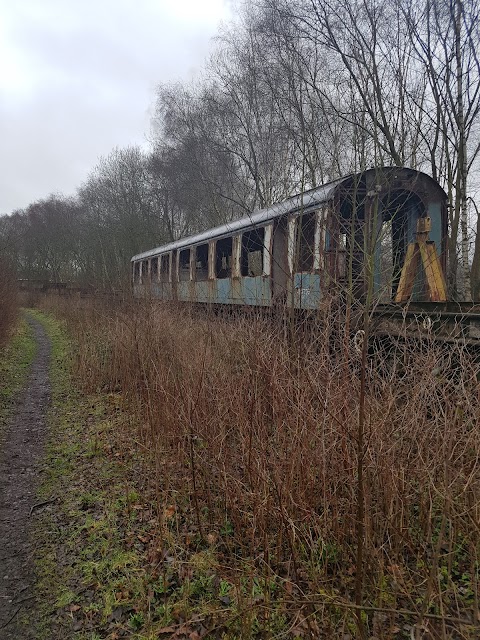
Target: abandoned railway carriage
(298, 251)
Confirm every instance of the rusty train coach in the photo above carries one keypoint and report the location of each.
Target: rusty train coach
(297, 252)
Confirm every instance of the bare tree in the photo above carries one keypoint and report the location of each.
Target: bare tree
(409, 78)
(446, 40)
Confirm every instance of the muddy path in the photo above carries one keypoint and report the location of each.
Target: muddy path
(22, 445)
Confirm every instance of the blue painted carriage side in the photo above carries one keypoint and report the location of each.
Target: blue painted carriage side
(307, 292)
(256, 291)
(165, 291)
(202, 291)
(306, 287)
(223, 292)
(183, 291)
(155, 290)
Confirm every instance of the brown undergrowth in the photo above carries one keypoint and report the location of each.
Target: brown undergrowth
(249, 440)
(8, 301)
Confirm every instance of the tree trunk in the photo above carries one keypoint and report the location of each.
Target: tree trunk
(462, 170)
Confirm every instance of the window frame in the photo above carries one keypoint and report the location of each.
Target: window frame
(244, 252)
(195, 261)
(154, 274)
(179, 261)
(318, 236)
(137, 272)
(231, 269)
(161, 271)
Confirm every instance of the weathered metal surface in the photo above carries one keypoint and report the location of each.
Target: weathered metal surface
(183, 292)
(256, 291)
(444, 321)
(223, 292)
(303, 201)
(406, 178)
(166, 291)
(307, 293)
(384, 192)
(423, 253)
(202, 291)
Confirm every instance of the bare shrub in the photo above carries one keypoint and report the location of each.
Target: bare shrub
(253, 436)
(8, 301)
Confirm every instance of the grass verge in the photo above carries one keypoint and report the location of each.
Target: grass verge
(89, 572)
(109, 565)
(15, 361)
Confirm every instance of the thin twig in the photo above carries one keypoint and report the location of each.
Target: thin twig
(25, 599)
(5, 624)
(402, 612)
(41, 504)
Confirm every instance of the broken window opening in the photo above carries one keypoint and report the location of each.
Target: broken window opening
(251, 259)
(223, 258)
(399, 210)
(184, 265)
(165, 268)
(154, 269)
(201, 263)
(305, 242)
(342, 254)
(386, 265)
(137, 272)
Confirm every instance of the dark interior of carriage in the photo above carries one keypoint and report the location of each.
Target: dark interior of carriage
(375, 219)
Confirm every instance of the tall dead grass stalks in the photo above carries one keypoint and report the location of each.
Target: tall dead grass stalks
(254, 435)
(8, 301)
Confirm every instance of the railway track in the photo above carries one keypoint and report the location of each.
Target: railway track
(444, 321)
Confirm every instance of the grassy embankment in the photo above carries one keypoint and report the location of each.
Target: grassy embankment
(212, 472)
(94, 580)
(17, 345)
(8, 303)
(15, 359)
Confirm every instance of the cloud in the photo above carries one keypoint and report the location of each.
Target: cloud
(77, 78)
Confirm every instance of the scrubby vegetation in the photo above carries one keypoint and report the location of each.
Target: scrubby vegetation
(8, 302)
(252, 463)
(15, 360)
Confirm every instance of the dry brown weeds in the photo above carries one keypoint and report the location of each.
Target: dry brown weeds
(252, 436)
(8, 301)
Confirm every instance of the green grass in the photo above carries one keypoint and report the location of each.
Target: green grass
(90, 565)
(15, 361)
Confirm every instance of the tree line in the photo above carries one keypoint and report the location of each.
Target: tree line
(294, 93)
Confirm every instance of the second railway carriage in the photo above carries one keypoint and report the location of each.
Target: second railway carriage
(300, 250)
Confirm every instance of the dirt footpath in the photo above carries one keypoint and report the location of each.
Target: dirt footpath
(21, 452)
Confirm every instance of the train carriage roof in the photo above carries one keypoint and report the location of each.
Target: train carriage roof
(305, 201)
(310, 199)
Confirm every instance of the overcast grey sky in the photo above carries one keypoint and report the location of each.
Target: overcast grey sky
(77, 78)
